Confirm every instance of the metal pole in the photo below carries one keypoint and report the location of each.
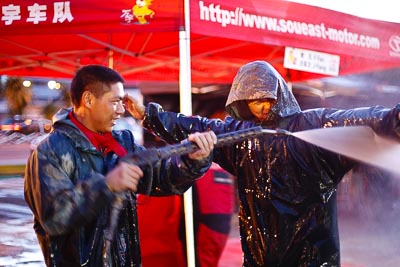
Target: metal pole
(185, 93)
(111, 59)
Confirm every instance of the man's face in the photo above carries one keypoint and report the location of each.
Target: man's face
(107, 109)
(260, 107)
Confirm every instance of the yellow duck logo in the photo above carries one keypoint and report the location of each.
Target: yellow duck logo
(141, 10)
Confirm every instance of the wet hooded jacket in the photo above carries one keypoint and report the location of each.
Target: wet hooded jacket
(66, 190)
(287, 188)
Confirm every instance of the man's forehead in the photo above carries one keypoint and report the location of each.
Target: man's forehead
(117, 90)
(270, 100)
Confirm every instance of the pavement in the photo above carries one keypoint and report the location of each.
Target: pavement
(13, 158)
(18, 244)
(365, 241)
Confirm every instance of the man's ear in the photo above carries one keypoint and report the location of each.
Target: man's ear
(87, 99)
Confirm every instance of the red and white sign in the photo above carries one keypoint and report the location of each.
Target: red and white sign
(311, 61)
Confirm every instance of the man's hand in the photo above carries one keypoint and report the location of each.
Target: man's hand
(205, 141)
(124, 177)
(133, 106)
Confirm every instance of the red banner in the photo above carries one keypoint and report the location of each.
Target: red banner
(89, 16)
(283, 23)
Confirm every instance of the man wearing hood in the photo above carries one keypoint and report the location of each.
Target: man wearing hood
(287, 187)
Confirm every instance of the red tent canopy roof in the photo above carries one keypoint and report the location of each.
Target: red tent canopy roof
(99, 34)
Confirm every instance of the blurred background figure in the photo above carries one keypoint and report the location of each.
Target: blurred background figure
(162, 219)
(162, 224)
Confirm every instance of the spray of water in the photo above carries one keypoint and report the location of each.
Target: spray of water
(358, 142)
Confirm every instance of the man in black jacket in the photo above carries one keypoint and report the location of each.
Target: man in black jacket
(74, 177)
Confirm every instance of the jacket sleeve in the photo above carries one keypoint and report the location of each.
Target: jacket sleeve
(384, 121)
(174, 127)
(172, 176)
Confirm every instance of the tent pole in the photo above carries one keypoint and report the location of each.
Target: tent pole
(111, 59)
(185, 93)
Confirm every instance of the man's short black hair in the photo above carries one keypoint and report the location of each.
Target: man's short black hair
(94, 78)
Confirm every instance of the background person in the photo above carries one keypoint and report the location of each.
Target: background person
(162, 219)
(162, 222)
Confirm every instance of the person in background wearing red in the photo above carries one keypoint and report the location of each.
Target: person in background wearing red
(162, 224)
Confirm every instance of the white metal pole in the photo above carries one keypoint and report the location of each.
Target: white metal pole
(185, 93)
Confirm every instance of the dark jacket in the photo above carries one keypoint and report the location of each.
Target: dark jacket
(66, 190)
(287, 187)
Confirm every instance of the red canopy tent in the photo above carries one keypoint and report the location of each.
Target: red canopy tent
(52, 39)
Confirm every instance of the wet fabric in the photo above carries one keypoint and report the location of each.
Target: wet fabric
(286, 187)
(66, 190)
(260, 80)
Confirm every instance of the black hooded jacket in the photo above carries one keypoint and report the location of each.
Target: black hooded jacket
(287, 187)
